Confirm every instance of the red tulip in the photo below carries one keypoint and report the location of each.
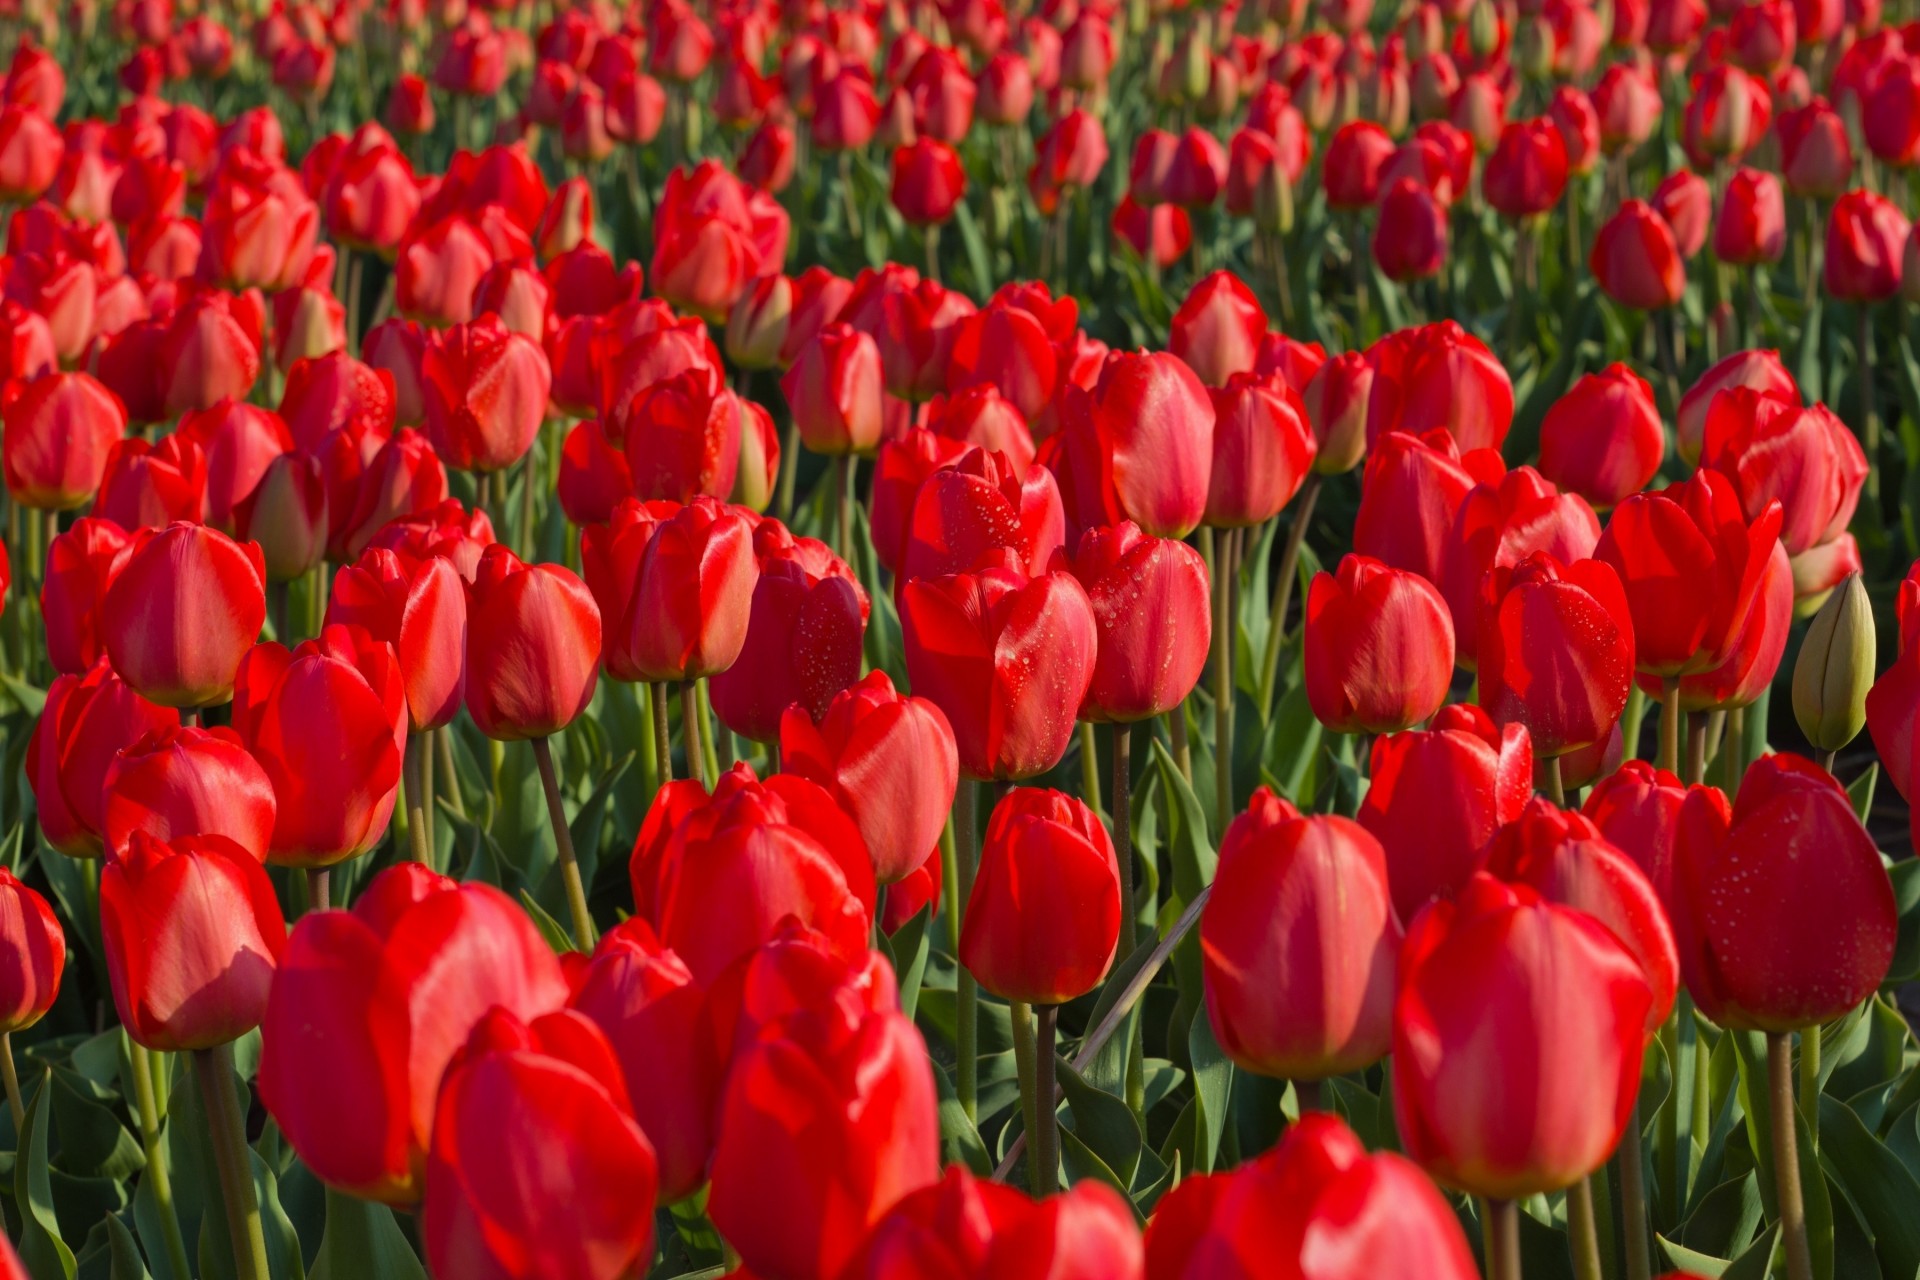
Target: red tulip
(1816, 156)
(1773, 937)
(1685, 200)
(1410, 239)
(1161, 233)
(182, 612)
(654, 1016)
(1556, 650)
(1517, 1040)
(692, 596)
(486, 392)
(175, 782)
(85, 723)
(210, 352)
(259, 225)
(1263, 446)
(1636, 809)
(1351, 170)
(1603, 439)
(1217, 330)
(834, 389)
(713, 235)
(533, 647)
(335, 390)
(1150, 600)
(683, 437)
(978, 505)
(1866, 238)
(1298, 944)
(969, 1226)
(33, 954)
(1752, 226)
(1003, 656)
(594, 475)
(240, 442)
(1138, 446)
(1317, 1205)
(145, 487)
(1413, 487)
(437, 270)
(60, 430)
(286, 516)
(30, 153)
(1378, 648)
(371, 1004)
(192, 932)
(1636, 260)
(553, 1081)
(805, 628)
(419, 606)
(1006, 347)
(1527, 171)
(1760, 370)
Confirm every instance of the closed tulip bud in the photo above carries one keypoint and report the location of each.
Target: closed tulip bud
(486, 393)
(182, 613)
(1760, 370)
(86, 721)
(1603, 439)
(419, 607)
(1336, 404)
(1351, 170)
(1410, 239)
(192, 932)
(834, 390)
(1044, 918)
(1006, 658)
(1298, 944)
(209, 354)
(1527, 171)
(1378, 648)
(176, 782)
(928, 181)
(1218, 329)
(1772, 935)
(33, 955)
(60, 431)
(554, 1081)
(30, 153)
(1316, 1204)
(533, 647)
(1556, 650)
(758, 324)
(1517, 1041)
(1866, 242)
(81, 562)
(1412, 488)
(1636, 260)
(1138, 446)
(286, 516)
(1685, 201)
(887, 759)
(805, 629)
(1835, 668)
(1263, 448)
(1816, 155)
(691, 599)
(1752, 226)
(386, 964)
(1146, 593)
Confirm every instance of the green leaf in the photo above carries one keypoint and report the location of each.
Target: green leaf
(1193, 854)
(909, 947)
(40, 1245)
(127, 1263)
(1905, 875)
(363, 1240)
(552, 930)
(1881, 1188)
(1213, 1089)
(1860, 790)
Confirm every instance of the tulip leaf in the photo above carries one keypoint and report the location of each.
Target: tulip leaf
(908, 949)
(1806, 357)
(1882, 1190)
(362, 1239)
(1860, 790)
(1726, 1219)
(976, 248)
(1212, 1089)
(552, 930)
(1102, 1121)
(1752, 1264)
(1752, 1049)
(93, 1142)
(40, 1245)
(1193, 854)
(1905, 875)
(959, 1138)
(123, 1252)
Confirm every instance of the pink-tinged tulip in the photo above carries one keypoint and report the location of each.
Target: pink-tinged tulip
(1138, 446)
(1556, 650)
(554, 1081)
(1517, 1040)
(1412, 490)
(182, 612)
(1263, 447)
(1044, 917)
(86, 721)
(286, 516)
(176, 782)
(81, 562)
(1603, 439)
(834, 390)
(1866, 241)
(372, 1003)
(1772, 937)
(533, 647)
(60, 430)
(419, 606)
(805, 629)
(1378, 648)
(192, 932)
(1816, 156)
(1217, 330)
(486, 392)
(1298, 944)
(1760, 370)
(1636, 260)
(1150, 601)
(1006, 658)
(886, 758)
(33, 955)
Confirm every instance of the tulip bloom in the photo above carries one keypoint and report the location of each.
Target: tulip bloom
(177, 781)
(533, 647)
(421, 960)
(1556, 650)
(1044, 918)
(1517, 1041)
(1351, 170)
(1527, 171)
(1317, 1204)
(975, 1227)
(834, 389)
(1412, 489)
(1298, 944)
(486, 392)
(1752, 225)
(552, 1083)
(1603, 439)
(1150, 598)
(692, 596)
(1636, 260)
(928, 181)
(977, 505)
(1006, 658)
(1410, 238)
(86, 721)
(1636, 809)
(1760, 370)
(1218, 329)
(1500, 523)
(33, 955)
(888, 759)
(60, 430)
(1138, 446)
(192, 933)
(182, 612)
(1866, 245)
(1263, 447)
(1378, 648)
(1773, 936)
(81, 563)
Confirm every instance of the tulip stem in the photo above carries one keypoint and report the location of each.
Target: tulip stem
(709, 740)
(1556, 788)
(1182, 748)
(159, 1181)
(1733, 748)
(1120, 742)
(789, 465)
(1869, 421)
(277, 609)
(227, 1127)
(1633, 1190)
(1827, 758)
(1696, 748)
(1089, 767)
(319, 889)
(1583, 1237)
(1810, 1080)
(563, 840)
(528, 485)
(967, 847)
(662, 736)
(12, 1078)
(1227, 543)
(1502, 1239)
(1670, 724)
(1020, 1014)
(1786, 1157)
(843, 505)
(443, 747)
(690, 731)
(950, 885)
(1047, 1137)
(1308, 1097)
(414, 768)
(1283, 592)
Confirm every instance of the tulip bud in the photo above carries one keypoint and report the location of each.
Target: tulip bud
(1835, 668)
(1483, 28)
(33, 952)
(757, 326)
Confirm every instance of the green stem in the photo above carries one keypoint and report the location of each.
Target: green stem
(319, 888)
(414, 770)
(789, 465)
(1227, 543)
(1696, 748)
(1810, 1081)
(1303, 504)
(843, 505)
(1020, 1014)
(1633, 1191)
(662, 734)
(443, 747)
(159, 1181)
(950, 886)
(1503, 1240)
(709, 744)
(1869, 420)
(1731, 763)
(690, 734)
(1556, 789)
(12, 1078)
(227, 1127)
(1670, 725)
(583, 936)
(1182, 747)
(1089, 767)
(1047, 1137)
(1583, 1237)
(967, 845)
(1786, 1157)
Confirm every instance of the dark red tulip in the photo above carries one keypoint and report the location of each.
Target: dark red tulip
(1866, 241)
(178, 781)
(533, 647)
(594, 476)
(1378, 648)
(1527, 171)
(33, 954)
(1410, 238)
(86, 721)
(1556, 650)
(182, 612)
(1150, 601)
(1636, 261)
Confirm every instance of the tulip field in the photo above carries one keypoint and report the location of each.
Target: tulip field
(959, 640)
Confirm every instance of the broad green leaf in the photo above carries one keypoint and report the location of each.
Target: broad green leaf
(1879, 1185)
(40, 1245)
(1213, 1089)
(363, 1240)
